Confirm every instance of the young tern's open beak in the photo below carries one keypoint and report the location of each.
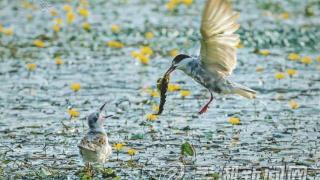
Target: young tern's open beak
(102, 107)
(105, 117)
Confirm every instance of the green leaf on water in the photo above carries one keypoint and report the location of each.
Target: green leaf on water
(45, 172)
(137, 136)
(187, 149)
(108, 173)
(86, 177)
(213, 176)
(6, 161)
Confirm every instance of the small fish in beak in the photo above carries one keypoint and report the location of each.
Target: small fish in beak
(162, 85)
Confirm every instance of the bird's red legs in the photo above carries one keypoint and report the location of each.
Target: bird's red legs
(205, 107)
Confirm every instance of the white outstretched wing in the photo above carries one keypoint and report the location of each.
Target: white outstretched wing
(218, 43)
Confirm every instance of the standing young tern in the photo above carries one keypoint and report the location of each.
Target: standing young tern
(94, 147)
(218, 56)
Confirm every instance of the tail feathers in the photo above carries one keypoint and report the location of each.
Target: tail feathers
(245, 91)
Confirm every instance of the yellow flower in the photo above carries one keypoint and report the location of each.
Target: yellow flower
(56, 27)
(285, 15)
(151, 117)
(86, 26)
(67, 8)
(171, 6)
(306, 60)
(318, 59)
(176, 1)
(154, 93)
(173, 52)
(135, 54)
(279, 75)
(143, 55)
(54, 12)
(118, 146)
(71, 17)
(58, 61)
(264, 52)
(143, 59)
(58, 21)
(115, 44)
(259, 69)
(31, 66)
(83, 12)
(73, 112)
(155, 108)
(187, 2)
(149, 35)
(115, 28)
(291, 72)
(75, 87)
(7, 31)
(39, 43)
(84, 3)
(146, 50)
(185, 93)
(28, 5)
(293, 56)
(234, 121)
(132, 152)
(293, 104)
(173, 87)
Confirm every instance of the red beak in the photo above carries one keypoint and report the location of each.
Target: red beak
(170, 70)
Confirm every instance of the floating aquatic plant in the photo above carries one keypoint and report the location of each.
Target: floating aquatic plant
(132, 152)
(173, 87)
(185, 93)
(115, 28)
(118, 147)
(73, 113)
(83, 12)
(291, 72)
(149, 35)
(67, 8)
(293, 56)
(58, 61)
(293, 104)
(234, 121)
(307, 60)
(151, 117)
(86, 26)
(70, 17)
(173, 53)
(115, 44)
(280, 75)
(38, 43)
(31, 66)
(187, 149)
(75, 87)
